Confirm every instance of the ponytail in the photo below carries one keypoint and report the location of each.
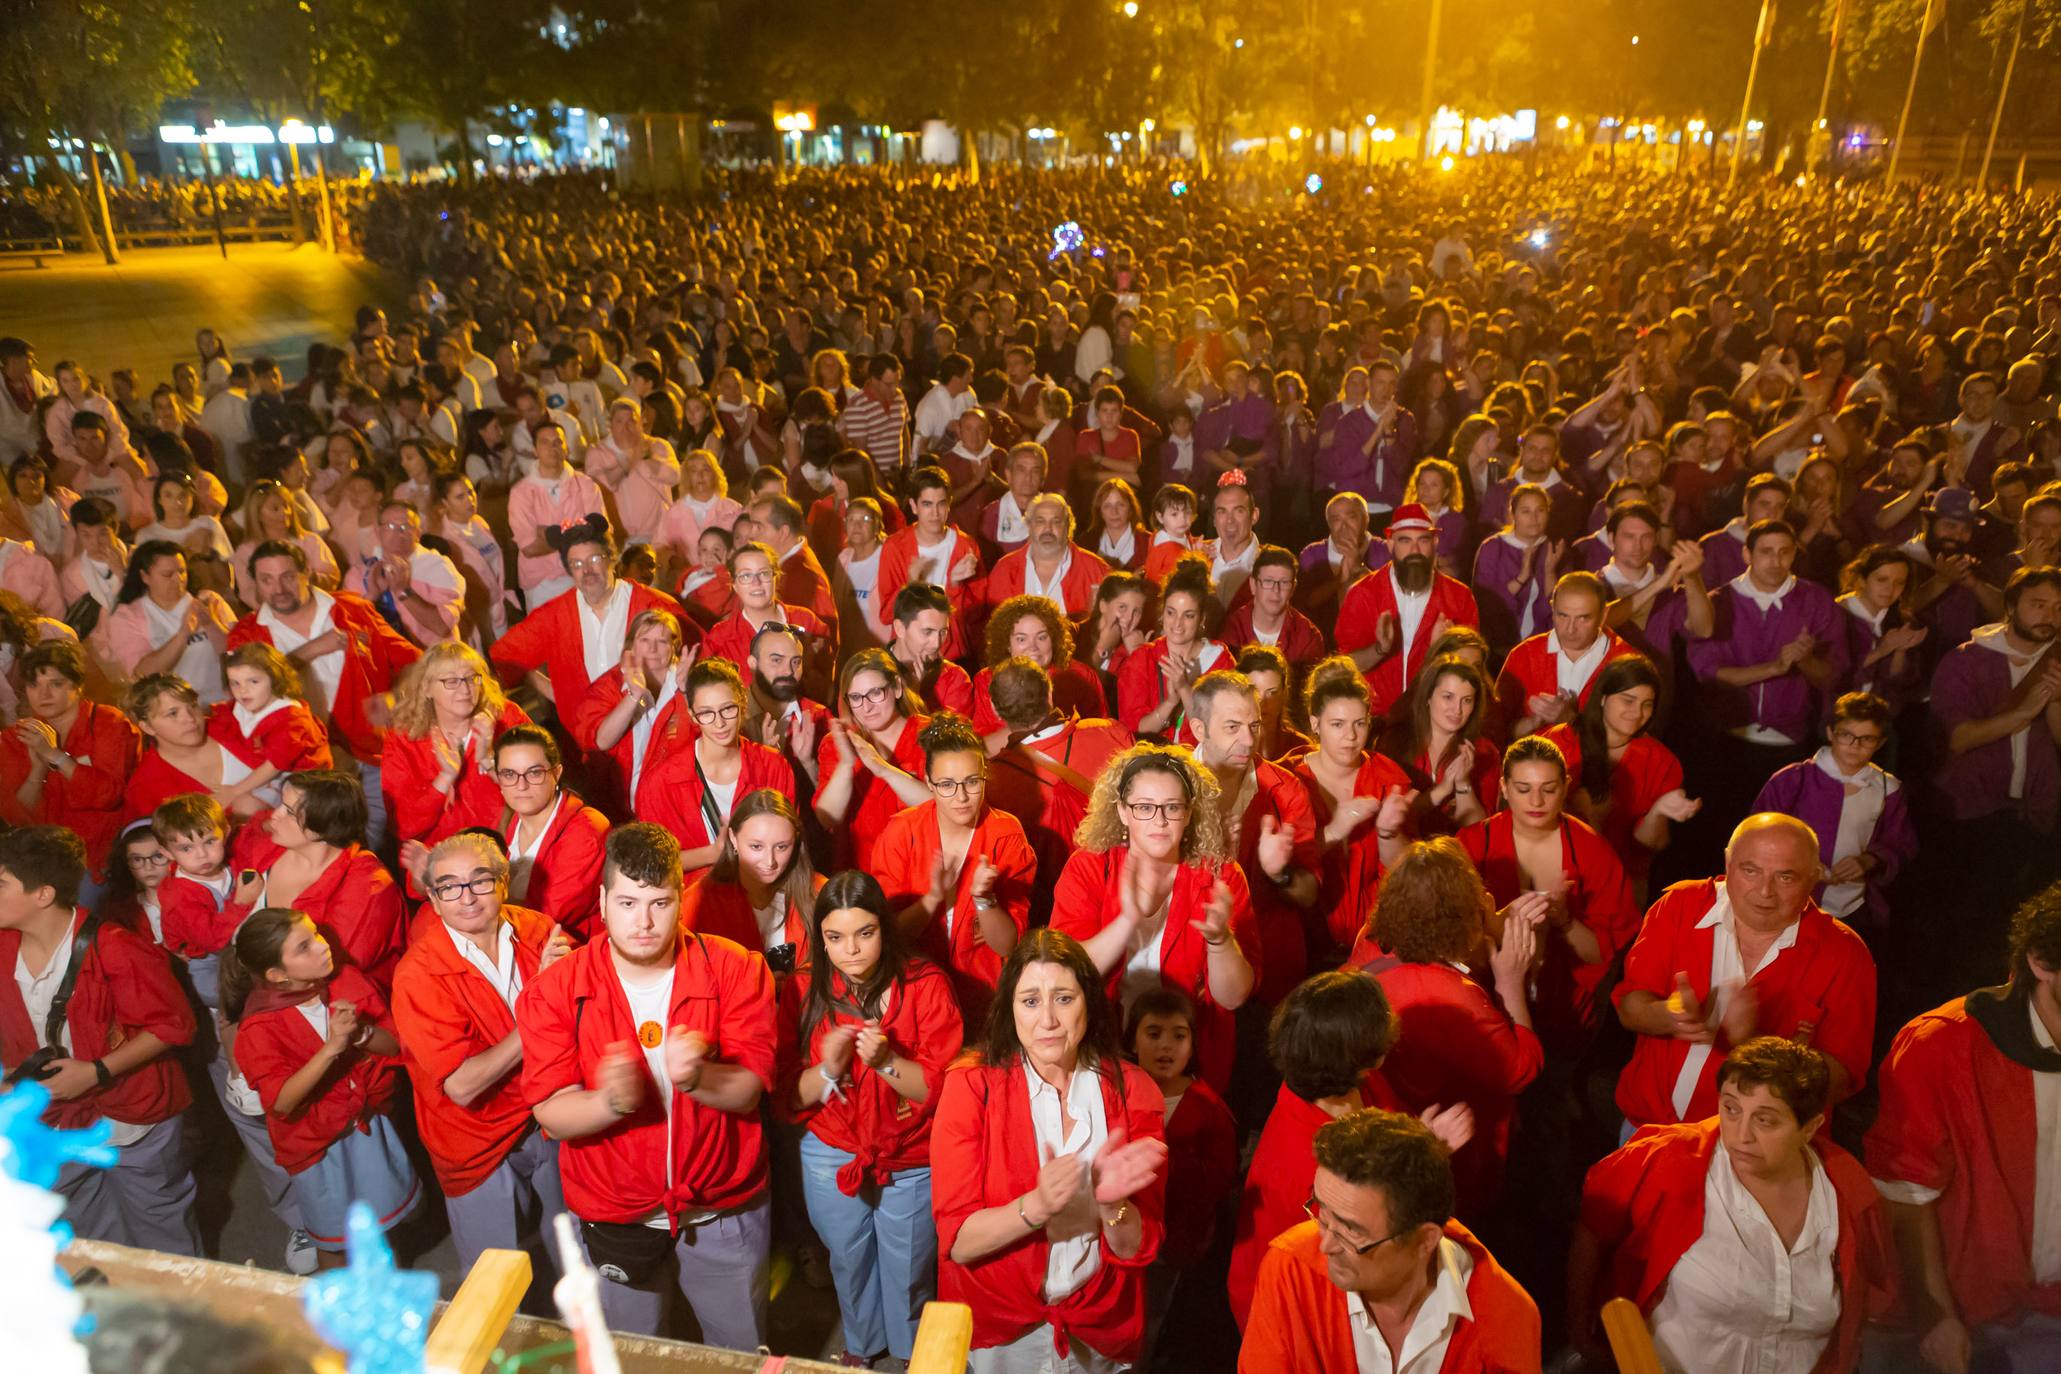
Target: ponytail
(253, 951)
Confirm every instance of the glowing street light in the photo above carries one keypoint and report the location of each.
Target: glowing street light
(1370, 121)
(1563, 123)
(1295, 131)
(1445, 164)
(1635, 40)
(1149, 125)
(1130, 9)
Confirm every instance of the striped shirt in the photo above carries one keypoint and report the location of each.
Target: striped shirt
(881, 430)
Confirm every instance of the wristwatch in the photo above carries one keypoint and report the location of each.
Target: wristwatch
(100, 1072)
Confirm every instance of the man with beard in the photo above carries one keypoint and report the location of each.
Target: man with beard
(1049, 564)
(1724, 548)
(1997, 699)
(664, 1158)
(1954, 599)
(776, 714)
(1888, 507)
(753, 576)
(1391, 616)
(348, 657)
(1538, 462)
(922, 624)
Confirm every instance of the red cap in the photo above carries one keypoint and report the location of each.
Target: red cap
(1410, 516)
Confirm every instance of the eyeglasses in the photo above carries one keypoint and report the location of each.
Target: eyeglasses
(952, 787)
(1165, 811)
(591, 561)
(711, 715)
(1317, 1212)
(158, 860)
(1853, 741)
(454, 682)
(1275, 584)
(871, 696)
(523, 777)
(481, 885)
(401, 528)
(752, 579)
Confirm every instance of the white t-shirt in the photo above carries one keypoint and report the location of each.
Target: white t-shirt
(325, 674)
(603, 633)
(522, 858)
(864, 575)
(650, 1004)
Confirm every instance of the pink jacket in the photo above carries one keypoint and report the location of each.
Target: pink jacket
(531, 508)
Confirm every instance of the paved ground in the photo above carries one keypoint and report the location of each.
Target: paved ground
(266, 298)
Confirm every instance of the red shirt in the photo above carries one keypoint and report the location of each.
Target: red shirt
(1202, 1167)
(1352, 872)
(190, 914)
(374, 656)
(1299, 640)
(1641, 776)
(409, 776)
(1088, 898)
(103, 745)
(1359, 617)
(565, 873)
(731, 638)
(951, 689)
(1958, 1117)
(1299, 1320)
(1284, 949)
(1141, 685)
(152, 783)
(671, 793)
(902, 860)
(608, 770)
(804, 583)
(353, 902)
(1084, 573)
(1645, 1204)
(1820, 990)
(873, 803)
(290, 739)
(722, 908)
(898, 557)
(703, 1159)
(550, 640)
(1533, 669)
(273, 1043)
(882, 1130)
(445, 1012)
(125, 988)
(984, 1153)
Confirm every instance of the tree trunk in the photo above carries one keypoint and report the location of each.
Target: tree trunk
(970, 145)
(107, 242)
(82, 219)
(130, 176)
(464, 153)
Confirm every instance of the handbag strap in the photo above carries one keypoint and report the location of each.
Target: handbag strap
(82, 942)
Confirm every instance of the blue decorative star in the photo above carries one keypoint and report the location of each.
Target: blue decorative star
(376, 1314)
(36, 1153)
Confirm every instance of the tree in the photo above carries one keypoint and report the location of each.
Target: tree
(457, 61)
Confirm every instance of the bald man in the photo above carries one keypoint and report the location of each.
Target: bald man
(1721, 960)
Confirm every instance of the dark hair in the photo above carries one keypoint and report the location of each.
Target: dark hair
(855, 891)
(645, 853)
(1157, 1000)
(799, 881)
(1329, 1031)
(711, 672)
(918, 597)
(1863, 706)
(60, 655)
(1003, 620)
(2021, 580)
(1100, 1049)
(1021, 692)
(594, 529)
(1191, 575)
(946, 733)
(332, 806)
(51, 856)
(1274, 556)
(1764, 529)
(1632, 510)
(783, 512)
(929, 477)
(90, 512)
(1408, 733)
(279, 548)
(1397, 1154)
(1874, 559)
(1534, 749)
(256, 947)
(1798, 1074)
(140, 562)
(526, 733)
(1590, 729)
(194, 813)
(1265, 658)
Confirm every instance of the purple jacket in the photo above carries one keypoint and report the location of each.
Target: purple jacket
(1590, 552)
(1341, 466)
(1745, 635)
(1724, 556)
(1568, 518)
(1504, 620)
(1898, 689)
(1249, 418)
(1815, 797)
(1972, 683)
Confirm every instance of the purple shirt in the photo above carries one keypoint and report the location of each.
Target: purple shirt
(1724, 556)
(1746, 635)
(1972, 683)
(1815, 797)
(1495, 567)
(1590, 552)
(1341, 465)
(1898, 689)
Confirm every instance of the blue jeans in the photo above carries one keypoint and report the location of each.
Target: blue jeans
(883, 1250)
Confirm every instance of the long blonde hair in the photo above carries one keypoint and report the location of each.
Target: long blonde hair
(415, 715)
(1103, 828)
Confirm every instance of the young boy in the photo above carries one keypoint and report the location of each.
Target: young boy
(92, 1012)
(1173, 516)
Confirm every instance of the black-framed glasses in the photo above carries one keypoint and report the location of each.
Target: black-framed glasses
(479, 885)
(526, 777)
(952, 787)
(1317, 1212)
(157, 860)
(711, 714)
(1851, 740)
(870, 696)
(1165, 811)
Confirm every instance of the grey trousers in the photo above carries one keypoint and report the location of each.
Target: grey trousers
(257, 1141)
(1032, 1353)
(722, 1273)
(494, 1215)
(144, 1200)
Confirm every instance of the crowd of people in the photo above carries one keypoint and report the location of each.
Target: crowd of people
(1336, 775)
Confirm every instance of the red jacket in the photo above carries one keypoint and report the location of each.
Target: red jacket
(549, 640)
(1645, 1204)
(731, 638)
(902, 862)
(1201, 1168)
(826, 525)
(273, 1043)
(1958, 1116)
(1300, 641)
(1285, 952)
(409, 775)
(701, 1159)
(1076, 587)
(720, 908)
(125, 988)
(353, 902)
(1141, 686)
(1352, 872)
(374, 655)
(898, 555)
(804, 583)
(608, 770)
(1821, 990)
(1599, 895)
(1088, 898)
(882, 1130)
(671, 793)
(445, 1012)
(1076, 691)
(984, 1153)
(565, 875)
(1647, 771)
(1299, 1322)
(873, 803)
(151, 784)
(1359, 615)
(291, 740)
(191, 916)
(951, 690)
(1532, 670)
(91, 801)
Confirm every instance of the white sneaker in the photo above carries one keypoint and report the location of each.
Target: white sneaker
(244, 1098)
(300, 1254)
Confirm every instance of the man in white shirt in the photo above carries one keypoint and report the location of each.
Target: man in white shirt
(418, 590)
(226, 417)
(938, 412)
(1381, 1279)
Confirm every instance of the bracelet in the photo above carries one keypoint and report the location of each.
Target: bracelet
(831, 1088)
(1025, 1215)
(100, 1072)
(1123, 1210)
(985, 904)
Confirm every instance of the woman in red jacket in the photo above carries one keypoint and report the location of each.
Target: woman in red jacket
(66, 761)
(703, 763)
(1361, 798)
(1045, 1162)
(866, 1031)
(1152, 689)
(1434, 734)
(555, 842)
(1036, 628)
(630, 706)
(182, 756)
(1749, 1240)
(317, 1042)
(1456, 1043)
(762, 887)
(438, 775)
(869, 763)
(1155, 896)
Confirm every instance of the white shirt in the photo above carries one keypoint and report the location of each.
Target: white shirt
(1527, 607)
(1574, 674)
(604, 632)
(1033, 585)
(1623, 582)
(499, 970)
(1992, 637)
(1738, 1300)
(864, 575)
(1860, 808)
(199, 662)
(1728, 973)
(325, 674)
(1117, 551)
(640, 732)
(1410, 608)
(1183, 453)
(1072, 1251)
(933, 562)
(1229, 574)
(1431, 1330)
(936, 412)
(522, 858)
(1010, 525)
(1141, 955)
(651, 1003)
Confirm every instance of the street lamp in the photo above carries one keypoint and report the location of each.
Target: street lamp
(1130, 9)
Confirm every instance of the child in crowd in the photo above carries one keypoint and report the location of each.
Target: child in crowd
(266, 723)
(1173, 516)
(705, 588)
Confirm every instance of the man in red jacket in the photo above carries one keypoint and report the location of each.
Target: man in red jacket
(1966, 1152)
(1547, 678)
(90, 1011)
(645, 1055)
(469, 957)
(1388, 619)
(1381, 1276)
(348, 656)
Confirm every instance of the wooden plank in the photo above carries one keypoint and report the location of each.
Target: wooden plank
(1630, 1341)
(942, 1339)
(464, 1338)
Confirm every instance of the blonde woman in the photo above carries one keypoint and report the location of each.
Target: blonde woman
(704, 504)
(1153, 894)
(438, 772)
